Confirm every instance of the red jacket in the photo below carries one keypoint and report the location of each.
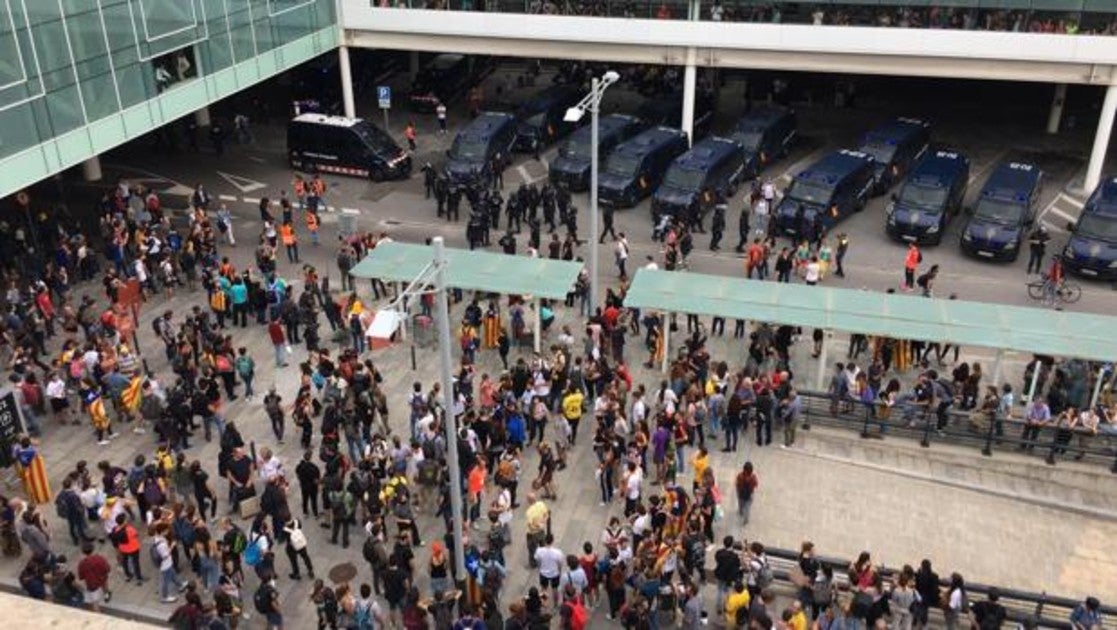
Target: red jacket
(275, 331)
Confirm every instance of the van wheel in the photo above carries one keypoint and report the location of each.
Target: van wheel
(376, 175)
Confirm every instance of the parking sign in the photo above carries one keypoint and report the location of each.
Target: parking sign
(384, 95)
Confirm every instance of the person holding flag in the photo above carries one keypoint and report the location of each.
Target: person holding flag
(99, 416)
(130, 398)
(32, 472)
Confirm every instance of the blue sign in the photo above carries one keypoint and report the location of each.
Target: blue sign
(384, 95)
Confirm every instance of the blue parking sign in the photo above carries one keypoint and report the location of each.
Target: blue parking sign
(384, 95)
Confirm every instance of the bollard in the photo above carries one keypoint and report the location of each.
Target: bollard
(413, 357)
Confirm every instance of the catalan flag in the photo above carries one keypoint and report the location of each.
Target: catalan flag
(33, 474)
(97, 413)
(131, 397)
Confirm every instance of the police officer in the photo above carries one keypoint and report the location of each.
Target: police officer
(607, 223)
(743, 229)
(508, 243)
(495, 204)
(571, 221)
(428, 179)
(717, 223)
(514, 211)
(453, 203)
(496, 171)
(548, 195)
(441, 191)
(1037, 248)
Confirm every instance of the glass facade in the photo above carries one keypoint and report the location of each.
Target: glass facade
(80, 76)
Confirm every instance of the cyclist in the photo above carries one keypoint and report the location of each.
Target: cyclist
(1053, 280)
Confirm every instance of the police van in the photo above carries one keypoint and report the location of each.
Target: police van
(713, 167)
(1092, 249)
(667, 111)
(931, 196)
(571, 168)
(766, 134)
(895, 146)
(543, 117)
(443, 79)
(346, 146)
(835, 186)
(482, 145)
(635, 168)
(1004, 209)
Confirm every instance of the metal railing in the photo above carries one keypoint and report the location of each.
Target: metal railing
(1027, 608)
(962, 427)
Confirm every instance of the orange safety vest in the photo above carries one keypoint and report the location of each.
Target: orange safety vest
(287, 233)
(311, 222)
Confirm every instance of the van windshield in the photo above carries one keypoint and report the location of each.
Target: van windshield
(625, 165)
(999, 211)
(468, 149)
(749, 139)
(576, 148)
(1098, 227)
(535, 121)
(881, 151)
(685, 178)
(925, 197)
(810, 192)
(374, 137)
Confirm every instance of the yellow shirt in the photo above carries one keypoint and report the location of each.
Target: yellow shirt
(798, 621)
(537, 516)
(700, 464)
(572, 405)
(732, 603)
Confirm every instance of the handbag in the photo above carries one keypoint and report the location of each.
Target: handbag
(297, 538)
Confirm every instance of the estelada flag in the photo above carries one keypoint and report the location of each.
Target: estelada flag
(33, 474)
(97, 413)
(133, 394)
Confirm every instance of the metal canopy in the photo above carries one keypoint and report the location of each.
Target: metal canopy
(473, 270)
(1041, 331)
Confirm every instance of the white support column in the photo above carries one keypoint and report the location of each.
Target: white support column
(537, 332)
(1097, 388)
(1101, 139)
(998, 366)
(1055, 117)
(820, 383)
(666, 341)
(690, 77)
(347, 103)
(1037, 365)
(413, 64)
(201, 117)
(405, 312)
(91, 169)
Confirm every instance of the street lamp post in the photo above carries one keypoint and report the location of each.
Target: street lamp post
(592, 102)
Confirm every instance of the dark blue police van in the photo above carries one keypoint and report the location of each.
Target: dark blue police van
(713, 167)
(895, 146)
(484, 144)
(1004, 210)
(931, 196)
(542, 119)
(571, 169)
(766, 134)
(667, 111)
(1092, 249)
(635, 168)
(835, 186)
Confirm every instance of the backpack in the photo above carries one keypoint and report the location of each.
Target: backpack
(764, 577)
(375, 553)
(253, 554)
(245, 366)
(362, 616)
(237, 541)
(157, 327)
(263, 598)
(428, 472)
(153, 494)
(741, 617)
(156, 559)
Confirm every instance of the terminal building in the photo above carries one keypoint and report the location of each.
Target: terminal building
(80, 78)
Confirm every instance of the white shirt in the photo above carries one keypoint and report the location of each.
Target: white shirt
(550, 560)
(632, 487)
(768, 190)
(440, 111)
(56, 389)
(622, 249)
(639, 411)
(812, 272)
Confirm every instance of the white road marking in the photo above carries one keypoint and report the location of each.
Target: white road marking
(522, 170)
(228, 197)
(1059, 213)
(250, 200)
(1057, 204)
(357, 210)
(241, 183)
(256, 159)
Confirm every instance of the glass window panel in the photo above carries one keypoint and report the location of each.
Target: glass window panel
(18, 130)
(64, 109)
(100, 96)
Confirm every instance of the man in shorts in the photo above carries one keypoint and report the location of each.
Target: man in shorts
(93, 570)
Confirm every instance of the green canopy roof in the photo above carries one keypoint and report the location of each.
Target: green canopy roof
(1042, 331)
(473, 270)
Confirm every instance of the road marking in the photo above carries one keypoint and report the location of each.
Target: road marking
(256, 159)
(242, 184)
(522, 170)
(1057, 204)
(357, 210)
(228, 197)
(1059, 213)
(250, 200)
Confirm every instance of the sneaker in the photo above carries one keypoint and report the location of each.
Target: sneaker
(103, 443)
(113, 435)
(139, 431)
(169, 600)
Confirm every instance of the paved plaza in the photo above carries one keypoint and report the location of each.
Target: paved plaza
(824, 490)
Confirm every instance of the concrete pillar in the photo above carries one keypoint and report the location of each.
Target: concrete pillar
(413, 64)
(347, 104)
(1101, 139)
(91, 169)
(201, 117)
(998, 366)
(1055, 118)
(690, 77)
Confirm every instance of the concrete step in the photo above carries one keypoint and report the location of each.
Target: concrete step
(1088, 486)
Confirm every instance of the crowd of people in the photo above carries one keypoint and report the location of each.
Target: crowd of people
(372, 480)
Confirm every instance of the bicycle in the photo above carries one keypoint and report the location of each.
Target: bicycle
(1066, 293)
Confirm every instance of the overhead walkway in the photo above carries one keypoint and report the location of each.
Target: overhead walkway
(532, 278)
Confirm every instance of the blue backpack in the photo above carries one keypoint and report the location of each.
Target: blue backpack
(252, 553)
